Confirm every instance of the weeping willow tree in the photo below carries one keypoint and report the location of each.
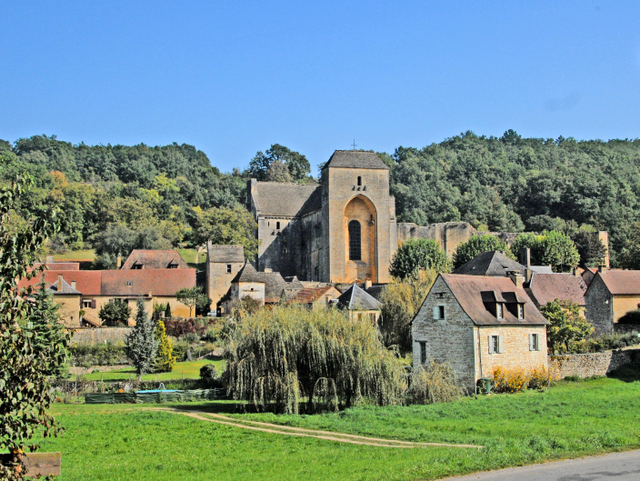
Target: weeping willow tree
(289, 355)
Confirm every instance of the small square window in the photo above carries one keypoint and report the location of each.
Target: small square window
(438, 312)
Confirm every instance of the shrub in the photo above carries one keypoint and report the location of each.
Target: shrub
(509, 380)
(165, 360)
(97, 355)
(434, 384)
(631, 317)
(209, 375)
(539, 378)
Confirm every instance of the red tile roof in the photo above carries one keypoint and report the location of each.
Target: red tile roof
(620, 282)
(312, 294)
(87, 282)
(468, 292)
(545, 288)
(158, 282)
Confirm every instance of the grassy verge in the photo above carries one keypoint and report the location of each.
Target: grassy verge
(569, 420)
(191, 370)
(82, 255)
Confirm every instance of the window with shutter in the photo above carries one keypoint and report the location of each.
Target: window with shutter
(499, 351)
(423, 352)
(94, 304)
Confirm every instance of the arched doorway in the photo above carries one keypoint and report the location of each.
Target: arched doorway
(360, 240)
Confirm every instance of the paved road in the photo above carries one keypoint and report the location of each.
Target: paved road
(618, 467)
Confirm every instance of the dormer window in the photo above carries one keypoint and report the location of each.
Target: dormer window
(499, 310)
(520, 311)
(136, 266)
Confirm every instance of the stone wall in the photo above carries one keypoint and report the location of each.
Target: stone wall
(591, 364)
(101, 335)
(448, 235)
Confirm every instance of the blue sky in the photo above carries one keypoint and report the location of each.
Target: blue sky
(232, 78)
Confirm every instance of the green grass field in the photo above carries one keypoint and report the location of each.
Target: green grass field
(123, 442)
(82, 255)
(191, 370)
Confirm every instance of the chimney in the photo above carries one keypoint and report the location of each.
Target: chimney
(50, 260)
(602, 269)
(367, 284)
(516, 277)
(525, 257)
(59, 282)
(604, 238)
(73, 284)
(118, 261)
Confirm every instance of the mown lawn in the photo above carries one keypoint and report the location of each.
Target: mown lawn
(570, 420)
(191, 370)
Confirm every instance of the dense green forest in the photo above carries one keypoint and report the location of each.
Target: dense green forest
(115, 198)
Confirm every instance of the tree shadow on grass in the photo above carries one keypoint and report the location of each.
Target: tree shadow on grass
(626, 373)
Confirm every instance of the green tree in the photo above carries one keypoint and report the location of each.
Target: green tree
(115, 313)
(401, 300)
(630, 256)
(476, 245)
(297, 164)
(278, 172)
(191, 297)
(282, 355)
(141, 345)
(417, 254)
(165, 360)
(591, 250)
(33, 345)
(226, 227)
(550, 248)
(566, 325)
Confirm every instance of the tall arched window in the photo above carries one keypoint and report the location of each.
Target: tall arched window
(355, 253)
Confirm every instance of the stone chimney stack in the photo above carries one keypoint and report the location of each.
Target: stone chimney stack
(367, 284)
(119, 262)
(73, 284)
(516, 277)
(60, 282)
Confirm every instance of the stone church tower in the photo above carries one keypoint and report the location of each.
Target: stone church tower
(359, 215)
(340, 231)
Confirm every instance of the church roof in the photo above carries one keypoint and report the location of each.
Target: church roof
(491, 263)
(356, 299)
(279, 199)
(355, 159)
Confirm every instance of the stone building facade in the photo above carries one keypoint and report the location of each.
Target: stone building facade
(478, 323)
(223, 264)
(611, 294)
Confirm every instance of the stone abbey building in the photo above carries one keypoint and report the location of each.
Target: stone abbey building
(339, 231)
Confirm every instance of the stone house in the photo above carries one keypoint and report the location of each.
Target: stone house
(67, 298)
(611, 294)
(265, 287)
(223, 264)
(360, 305)
(479, 323)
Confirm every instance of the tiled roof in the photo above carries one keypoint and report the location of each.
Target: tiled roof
(293, 282)
(87, 282)
(312, 294)
(376, 291)
(541, 269)
(491, 263)
(356, 299)
(545, 288)
(61, 266)
(62, 288)
(158, 282)
(223, 254)
(278, 199)
(355, 159)
(473, 291)
(620, 281)
(155, 259)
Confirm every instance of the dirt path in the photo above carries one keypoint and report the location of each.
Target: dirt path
(309, 433)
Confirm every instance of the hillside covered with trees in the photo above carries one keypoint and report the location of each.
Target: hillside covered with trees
(115, 198)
